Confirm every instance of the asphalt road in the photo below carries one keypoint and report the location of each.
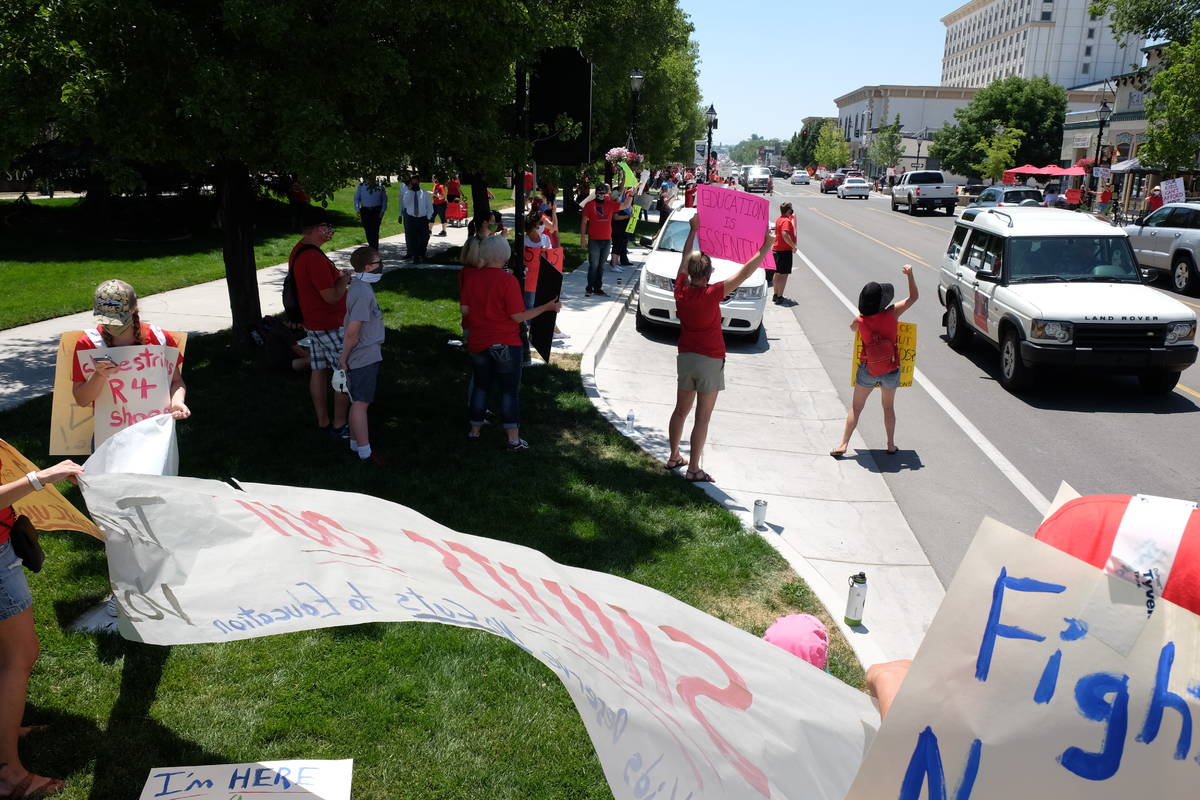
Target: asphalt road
(1098, 433)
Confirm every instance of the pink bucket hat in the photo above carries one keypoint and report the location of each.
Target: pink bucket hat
(802, 635)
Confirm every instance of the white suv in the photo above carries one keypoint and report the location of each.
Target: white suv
(1056, 288)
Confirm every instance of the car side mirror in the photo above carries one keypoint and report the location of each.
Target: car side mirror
(1140, 221)
(646, 241)
(988, 277)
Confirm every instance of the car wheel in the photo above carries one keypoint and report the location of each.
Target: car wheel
(640, 323)
(912, 207)
(1159, 381)
(1183, 275)
(950, 210)
(958, 333)
(1014, 375)
(894, 206)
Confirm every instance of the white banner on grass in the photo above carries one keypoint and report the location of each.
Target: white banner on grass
(146, 448)
(140, 389)
(300, 779)
(677, 703)
(1014, 692)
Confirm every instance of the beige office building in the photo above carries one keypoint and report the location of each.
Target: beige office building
(1061, 39)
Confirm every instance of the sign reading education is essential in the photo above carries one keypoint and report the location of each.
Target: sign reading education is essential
(72, 426)
(1043, 677)
(300, 779)
(906, 348)
(1172, 190)
(47, 510)
(732, 223)
(677, 703)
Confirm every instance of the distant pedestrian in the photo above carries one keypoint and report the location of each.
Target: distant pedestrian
(689, 196)
(620, 239)
(453, 189)
(595, 232)
(439, 199)
(362, 348)
(785, 246)
(416, 213)
(879, 362)
(1155, 200)
(370, 203)
(322, 288)
(701, 360)
(1104, 201)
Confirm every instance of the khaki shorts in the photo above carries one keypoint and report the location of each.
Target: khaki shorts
(699, 373)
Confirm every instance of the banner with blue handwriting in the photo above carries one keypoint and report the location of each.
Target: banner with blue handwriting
(308, 779)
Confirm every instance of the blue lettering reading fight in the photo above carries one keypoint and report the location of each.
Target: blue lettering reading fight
(995, 629)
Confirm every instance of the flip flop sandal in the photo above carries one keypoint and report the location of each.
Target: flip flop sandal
(838, 453)
(680, 463)
(698, 476)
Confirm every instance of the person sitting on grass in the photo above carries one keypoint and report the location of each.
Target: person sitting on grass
(701, 359)
(493, 310)
(362, 347)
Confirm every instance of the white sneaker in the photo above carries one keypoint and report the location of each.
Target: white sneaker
(561, 335)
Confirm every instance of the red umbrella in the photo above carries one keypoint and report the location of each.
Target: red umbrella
(1052, 170)
(1074, 172)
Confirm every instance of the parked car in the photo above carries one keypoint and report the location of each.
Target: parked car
(799, 178)
(1167, 242)
(832, 181)
(1056, 289)
(925, 188)
(741, 311)
(756, 179)
(854, 187)
(1007, 196)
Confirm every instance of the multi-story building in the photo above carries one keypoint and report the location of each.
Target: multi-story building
(1061, 39)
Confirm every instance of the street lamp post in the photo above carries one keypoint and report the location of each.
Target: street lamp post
(711, 117)
(1102, 114)
(636, 79)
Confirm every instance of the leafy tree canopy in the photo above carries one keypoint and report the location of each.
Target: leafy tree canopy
(832, 149)
(1172, 108)
(1157, 20)
(887, 145)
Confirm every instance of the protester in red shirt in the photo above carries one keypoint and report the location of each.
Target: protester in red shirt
(701, 360)
(1155, 201)
(321, 288)
(877, 325)
(785, 246)
(439, 203)
(493, 309)
(453, 190)
(689, 196)
(595, 232)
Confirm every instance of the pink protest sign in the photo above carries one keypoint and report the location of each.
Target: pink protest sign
(732, 223)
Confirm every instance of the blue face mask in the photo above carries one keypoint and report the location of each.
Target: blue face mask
(545, 207)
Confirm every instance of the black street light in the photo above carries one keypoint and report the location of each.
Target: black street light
(636, 79)
(1102, 114)
(711, 117)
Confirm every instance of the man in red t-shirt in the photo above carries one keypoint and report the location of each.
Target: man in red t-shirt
(595, 233)
(321, 288)
(785, 246)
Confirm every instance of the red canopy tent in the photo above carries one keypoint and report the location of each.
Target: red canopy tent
(1010, 175)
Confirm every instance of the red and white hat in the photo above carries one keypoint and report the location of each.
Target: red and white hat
(1135, 537)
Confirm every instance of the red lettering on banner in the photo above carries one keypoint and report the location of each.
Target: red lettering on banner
(528, 587)
(593, 639)
(487, 567)
(116, 385)
(319, 521)
(735, 696)
(642, 646)
(451, 563)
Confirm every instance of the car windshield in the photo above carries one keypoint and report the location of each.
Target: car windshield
(675, 236)
(1106, 259)
(925, 177)
(1021, 195)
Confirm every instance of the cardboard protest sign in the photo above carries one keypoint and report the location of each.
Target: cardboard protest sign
(629, 180)
(732, 224)
(1017, 692)
(47, 510)
(1172, 190)
(906, 348)
(302, 779)
(677, 703)
(71, 425)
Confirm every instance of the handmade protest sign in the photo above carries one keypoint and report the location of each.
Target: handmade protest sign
(1172, 190)
(677, 703)
(1015, 693)
(310, 779)
(72, 426)
(906, 349)
(47, 510)
(732, 224)
(549, 288)
(630, 180)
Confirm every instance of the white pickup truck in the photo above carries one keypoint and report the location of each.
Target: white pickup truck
(924, 188)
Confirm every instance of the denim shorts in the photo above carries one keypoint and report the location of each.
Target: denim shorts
(888, 380)
(362, 382)
(14, 589)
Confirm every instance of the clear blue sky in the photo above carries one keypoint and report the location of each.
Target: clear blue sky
(767, 64)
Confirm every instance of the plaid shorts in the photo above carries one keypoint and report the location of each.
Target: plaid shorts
(324, 348)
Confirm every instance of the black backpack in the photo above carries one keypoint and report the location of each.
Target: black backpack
(291, 298)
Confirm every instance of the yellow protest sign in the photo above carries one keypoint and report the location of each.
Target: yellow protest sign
(71, 425)
(906, 347)
(47, 510)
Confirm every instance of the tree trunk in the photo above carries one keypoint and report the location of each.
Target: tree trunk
(480, 207)
(237, 234)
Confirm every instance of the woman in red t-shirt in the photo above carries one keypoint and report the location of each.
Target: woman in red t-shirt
(18, 640)
(493, 309)
(785, 245)
(877, 324)
(701, 360)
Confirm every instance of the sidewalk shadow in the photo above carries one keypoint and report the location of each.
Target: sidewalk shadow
(880, 461)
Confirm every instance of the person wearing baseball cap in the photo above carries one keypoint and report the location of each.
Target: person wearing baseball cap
(115, 308)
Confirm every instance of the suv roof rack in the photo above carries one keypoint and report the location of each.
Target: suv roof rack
(1001, 214)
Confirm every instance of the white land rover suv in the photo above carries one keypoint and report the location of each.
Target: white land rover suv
(1057, 288)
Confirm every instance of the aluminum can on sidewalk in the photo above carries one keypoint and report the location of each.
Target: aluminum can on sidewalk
(856, 601)
(760, 515)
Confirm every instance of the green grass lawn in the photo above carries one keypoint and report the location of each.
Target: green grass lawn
(53, 257)
(428, 712)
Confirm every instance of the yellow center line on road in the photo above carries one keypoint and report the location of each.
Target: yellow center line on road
(906, 219)
(909, 255)
(1183, 388)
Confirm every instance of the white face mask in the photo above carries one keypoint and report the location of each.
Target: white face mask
(538, 231)
(369, 277)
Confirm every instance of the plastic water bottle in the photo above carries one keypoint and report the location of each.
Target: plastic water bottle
(629, 422)
(857, 599)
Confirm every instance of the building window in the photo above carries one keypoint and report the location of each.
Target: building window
(1087, 51)
(1045, 16)
(1091, 33)
(1083, 68)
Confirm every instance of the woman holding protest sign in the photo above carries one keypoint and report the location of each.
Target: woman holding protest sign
(879, 360)
(18, 639)
(701, 359)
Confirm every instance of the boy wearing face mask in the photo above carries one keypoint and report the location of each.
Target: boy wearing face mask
(362, 347)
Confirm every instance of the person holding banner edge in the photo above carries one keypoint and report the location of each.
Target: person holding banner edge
(701, 360)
